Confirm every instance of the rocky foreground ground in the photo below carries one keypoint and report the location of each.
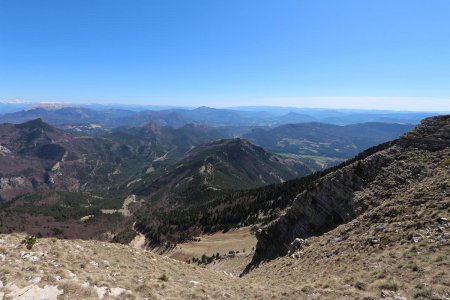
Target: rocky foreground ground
(76, 269)
(346, 263)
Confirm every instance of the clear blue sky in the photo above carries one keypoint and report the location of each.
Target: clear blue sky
(228, 52)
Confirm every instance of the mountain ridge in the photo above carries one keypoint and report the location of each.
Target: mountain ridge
(116, 116)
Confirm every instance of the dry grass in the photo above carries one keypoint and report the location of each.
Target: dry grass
(357, 274)
(412, 270)
(235, 240)
(79, 267)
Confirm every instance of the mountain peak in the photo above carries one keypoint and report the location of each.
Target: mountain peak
(34, 124)
(152, 126)
(236, 142)
(204, 108)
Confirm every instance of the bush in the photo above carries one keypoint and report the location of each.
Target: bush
(384, 241)
(414, 267)
(423, 293)
(389, 285)
(445, 163)
(360, 285)
(29, 242)
(163, 277)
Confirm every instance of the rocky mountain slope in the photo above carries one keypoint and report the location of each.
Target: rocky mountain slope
(34, 155)
(389, 197)
(75, 269)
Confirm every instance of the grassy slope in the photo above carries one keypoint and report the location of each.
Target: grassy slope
(95, 264)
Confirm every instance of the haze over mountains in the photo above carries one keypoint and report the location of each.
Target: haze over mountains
(116, 116)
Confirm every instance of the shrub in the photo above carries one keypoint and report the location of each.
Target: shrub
(163, 277)
(445, 163)
(389, 285)
(57, 231)
(384, 241)
(414, 267)
(423, 293)
(29, 242)
(360, 285)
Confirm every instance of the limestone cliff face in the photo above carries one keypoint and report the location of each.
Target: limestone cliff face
(343, 195)
(432, 134)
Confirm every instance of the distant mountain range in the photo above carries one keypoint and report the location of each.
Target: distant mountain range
(176, 117)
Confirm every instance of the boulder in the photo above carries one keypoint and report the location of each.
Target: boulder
(48, 292)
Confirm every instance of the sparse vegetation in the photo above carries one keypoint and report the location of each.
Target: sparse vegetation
(164, 277)
(445, 163)
(423, 293)
(389, 285)
(29, 242)
(384, 241)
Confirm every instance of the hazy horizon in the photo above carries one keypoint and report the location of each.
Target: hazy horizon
(338, 103)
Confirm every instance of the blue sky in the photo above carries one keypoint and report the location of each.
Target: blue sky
(392, 54)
